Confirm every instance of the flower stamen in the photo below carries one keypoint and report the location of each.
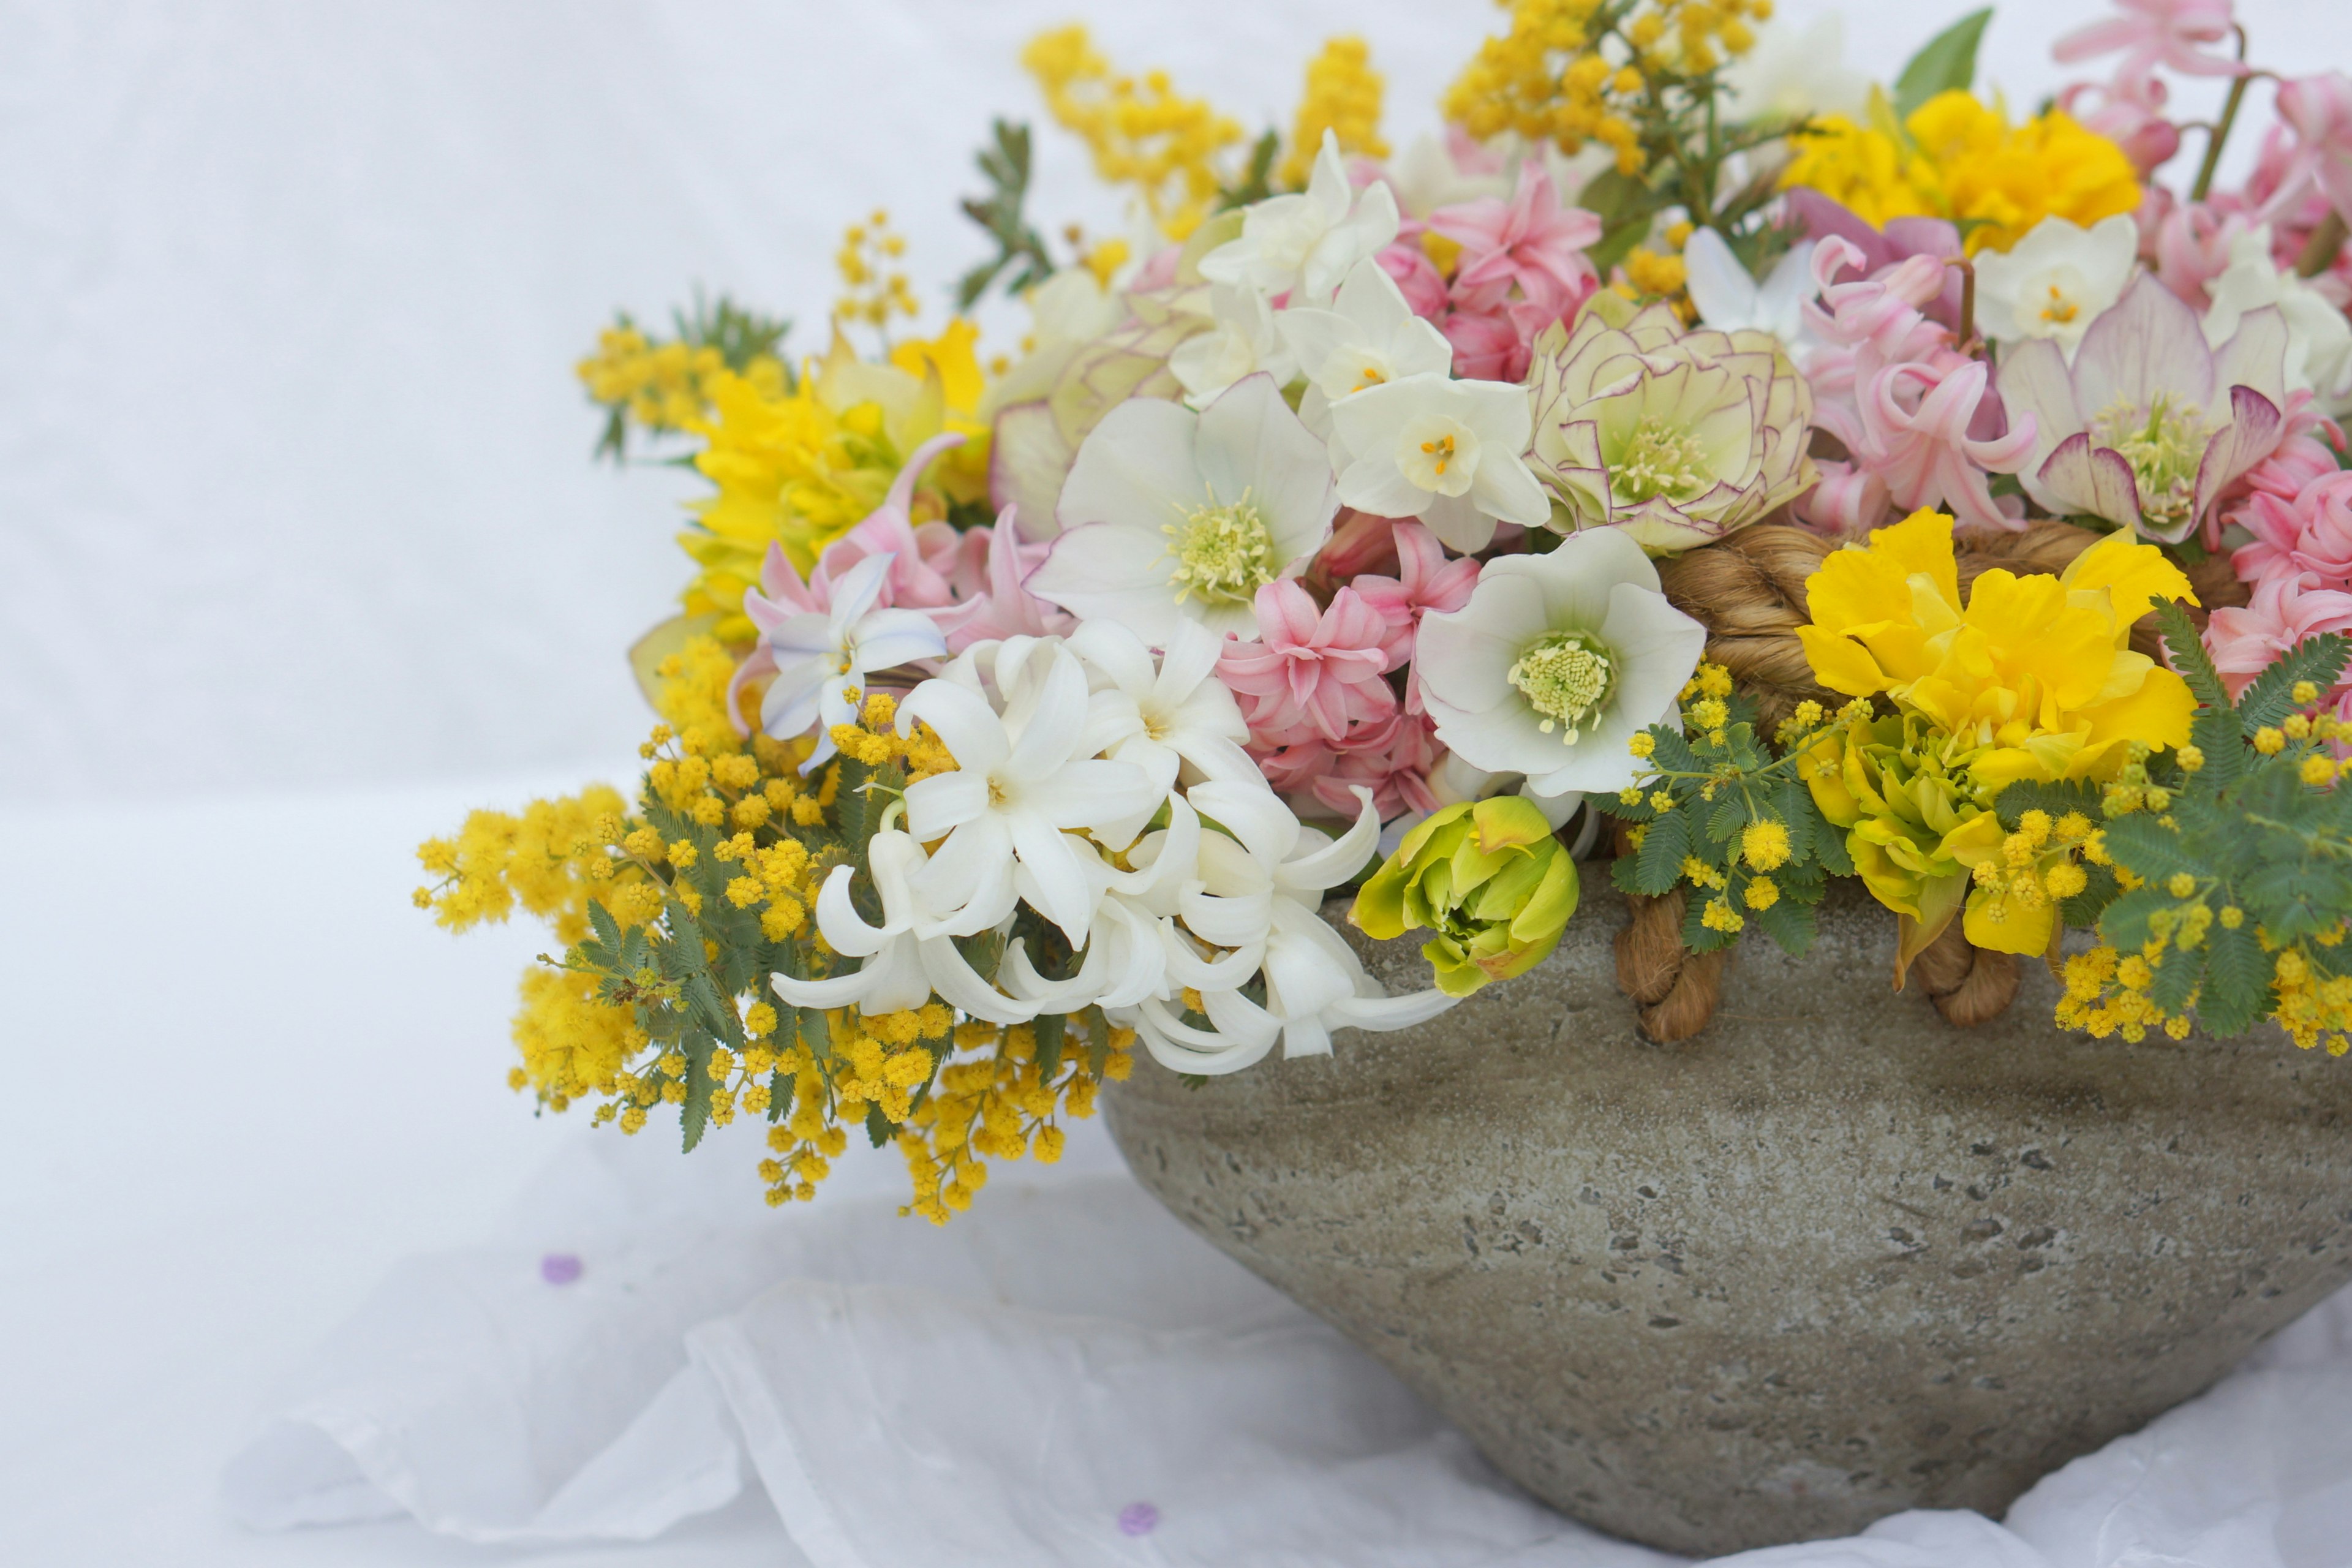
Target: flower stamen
(1567, 678)
(1224, 554)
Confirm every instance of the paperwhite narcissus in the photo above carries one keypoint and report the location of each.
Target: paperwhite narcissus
(2055, 282)
(2319, 339)
(1171, 515)
(1303, 245)
(1241, 340)
(1557, 661)
(1368, 338)
(1447, 452)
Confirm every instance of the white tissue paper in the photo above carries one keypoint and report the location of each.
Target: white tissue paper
(1065, 1376)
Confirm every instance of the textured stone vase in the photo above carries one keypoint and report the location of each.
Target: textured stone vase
(1829, 1259)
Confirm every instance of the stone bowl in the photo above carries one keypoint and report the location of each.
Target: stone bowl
(1827, 1260)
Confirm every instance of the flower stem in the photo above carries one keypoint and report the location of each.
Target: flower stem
(1967, 330)
(2220, 134)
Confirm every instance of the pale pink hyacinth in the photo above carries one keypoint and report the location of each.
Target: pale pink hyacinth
(2286, 609)
(2173, 34)
(1425, 580)
(1523, 265)
(1415, 276)
(2130, 115)
(2318, 110)
(2187, 244)
(1313, 675)
(1396, 769)
(2310, 532)
(1914, 420)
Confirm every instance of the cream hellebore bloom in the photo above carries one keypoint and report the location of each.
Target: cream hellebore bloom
(822, 658)
(2319, 339)
(2055, 282)
(1241, 340)
(1729, 300)
(1303, 245)
(1677, 436)
(1369, 337)
(1169, 515)
(1556, 662)
(1022, 779)
(1447, 452)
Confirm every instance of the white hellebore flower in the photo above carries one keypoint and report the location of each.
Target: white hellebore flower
(1370, 336)
(1303, 245)
(2319, 339)
(1260, 890)
(1450, 453)
(906, 958)
(1169, 515)
(1022, 778)
(1729, 300)
(1241, 340)
(1557, 661)
(2056, 281)
(823, 658)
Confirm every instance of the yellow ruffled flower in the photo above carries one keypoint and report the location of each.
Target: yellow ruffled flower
(1957, 157)
(2030, 678)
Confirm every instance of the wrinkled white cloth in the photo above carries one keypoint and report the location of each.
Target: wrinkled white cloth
(1067, 1376)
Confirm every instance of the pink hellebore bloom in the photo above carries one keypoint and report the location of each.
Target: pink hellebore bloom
(2151, 33)
(2319, 110)
(1425, 580)
(1531, 241)
(1316, 675)
(2286, 610)
(2149, 428)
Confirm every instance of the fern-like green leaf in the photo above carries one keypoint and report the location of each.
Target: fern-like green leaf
(2190, 657)
(2270, 697)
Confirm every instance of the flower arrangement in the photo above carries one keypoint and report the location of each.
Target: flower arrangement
(1793, 478)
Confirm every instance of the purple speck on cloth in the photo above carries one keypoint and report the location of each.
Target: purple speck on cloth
(1138, 1519)
(558, 1268)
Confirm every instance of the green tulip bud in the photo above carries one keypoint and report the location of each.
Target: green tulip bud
(1488, 877)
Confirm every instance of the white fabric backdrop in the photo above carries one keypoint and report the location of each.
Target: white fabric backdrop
(293, 477)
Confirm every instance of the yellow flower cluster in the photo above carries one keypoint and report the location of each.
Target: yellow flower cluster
(1572, 72)
(2107, 992)
(1343, 96)
(663, 385)
(1141, 133)
(999, 1102)
(2020, 879)
(801, 468)
(873, 288)
(551, 861)
(1957, 157)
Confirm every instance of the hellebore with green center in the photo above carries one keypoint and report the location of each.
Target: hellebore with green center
(1488, 879)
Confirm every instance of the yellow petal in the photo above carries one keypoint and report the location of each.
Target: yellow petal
(2134, 575)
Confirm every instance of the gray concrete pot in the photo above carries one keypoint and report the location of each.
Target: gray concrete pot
(1830, 1259)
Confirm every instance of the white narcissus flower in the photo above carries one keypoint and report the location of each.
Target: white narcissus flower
(824, 658)
(1021, 781)
(1730, 301)
(1242, 340)
(2319, 339)
(2055, 281)
(1370, 336)
(1556, 662)
(906, 958)
(1450, 453)
(1303, 245)
(1169, 515)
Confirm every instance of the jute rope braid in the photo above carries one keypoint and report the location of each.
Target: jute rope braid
(1968, 985)
(1674, 989)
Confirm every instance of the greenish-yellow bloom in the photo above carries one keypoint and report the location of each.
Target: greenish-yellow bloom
(1488, 877)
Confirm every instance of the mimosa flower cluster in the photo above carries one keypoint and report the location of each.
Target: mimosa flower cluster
(1328, 533)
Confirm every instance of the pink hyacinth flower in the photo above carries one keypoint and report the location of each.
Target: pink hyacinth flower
(2310, 532)
(1314, 675)
(1415, 276)
(1425, 580)
(921, 558)
(2318, 110)
(995, 605)
(1530, 241)
(2152, 33)
(2134, 121)
(1485, 347)
(2286, 609)
(1848, 501)
(1395, 767)
(1916, 419)
(2190, 247)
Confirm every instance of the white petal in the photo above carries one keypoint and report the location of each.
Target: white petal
(943, 802)
(963, 720)
(1134, 468)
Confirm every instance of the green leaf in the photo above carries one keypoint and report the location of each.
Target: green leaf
(2099, 889)
(1048, 1027)
(694, 1115)
(1659, 865)
(608, 930)
(1789, 923)
(2178, 976)
(2215, 731)
(2270, 697)
(1672, 753)
(1098, 1041)
(1729, 815)
(2236, 980)
(880, 1129)
(1624, 204)
(713, 1012)
(1946, 63)
(2151, 851)
(2188, 655)
(2123, 926)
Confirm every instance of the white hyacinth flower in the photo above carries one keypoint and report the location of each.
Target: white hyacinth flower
(1450, 453)
(824, 658)
(1556, 662)
(1303, 245)
(1169, 515)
